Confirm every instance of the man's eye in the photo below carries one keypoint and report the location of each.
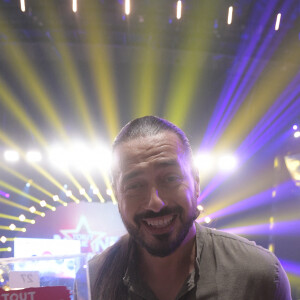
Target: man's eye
(173, 179)
(133, 186)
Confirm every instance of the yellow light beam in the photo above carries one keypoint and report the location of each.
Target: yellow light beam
(10, 217)
(93, 184)
(21, 193)
(68, 70)
(8, 240)
(101, 68)
(187, 76)
(15, 108)
(16, 229)
(11, 203)
(8, 249)
(31, 81)
(38, 168)
(149, 72)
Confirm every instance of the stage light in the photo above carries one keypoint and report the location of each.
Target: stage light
(32, 221)
(229, 18)
(179, 10)
(53, 208)
(295, 127)
(82, 191)
(297, 134)
(74, 6)
(227, 163)
(58, 156)
(55, 198)
(200, 207)
(65, 204)
(32, 209)
(207, 219)
(3, 240)
(27, 184)
(22, 218)
(102, 156)
(204, 162)
(43, 214)
(109, 192)
(95, 191)
(11, 156)
(271, 248)
(22, 5)
(43, 203)
(33, 156)
(69, 193)
(277, 22)
(12, 227)
(127, 7)
(23, 229)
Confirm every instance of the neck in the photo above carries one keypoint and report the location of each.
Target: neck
(182, 259)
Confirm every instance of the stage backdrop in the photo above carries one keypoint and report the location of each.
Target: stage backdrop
(96, 225)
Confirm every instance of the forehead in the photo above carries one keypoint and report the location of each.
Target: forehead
(157, 149)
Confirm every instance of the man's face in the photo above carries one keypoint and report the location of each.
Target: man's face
(157, 191)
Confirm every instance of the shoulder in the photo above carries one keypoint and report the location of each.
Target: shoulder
(242, 260)
(229, 244)
(107, 258)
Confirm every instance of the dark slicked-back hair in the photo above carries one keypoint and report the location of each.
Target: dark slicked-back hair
(149, 126)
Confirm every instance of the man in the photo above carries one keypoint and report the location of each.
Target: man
(166, 255)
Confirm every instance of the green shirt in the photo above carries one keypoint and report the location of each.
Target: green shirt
(227, 267)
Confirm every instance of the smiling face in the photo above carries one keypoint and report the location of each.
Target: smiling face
(157, 191)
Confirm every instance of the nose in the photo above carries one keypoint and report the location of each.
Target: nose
(155, 202)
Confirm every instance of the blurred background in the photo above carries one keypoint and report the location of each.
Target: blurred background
(73, 72)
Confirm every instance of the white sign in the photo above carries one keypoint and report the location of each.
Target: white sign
(24, 279)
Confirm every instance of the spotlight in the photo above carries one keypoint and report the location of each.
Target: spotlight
(43, 215)
(200, 207)
(277, 21)
(127, 7)
(23, 229)
(22, 218)
(82, 191)
(55, 198)
(297, 134)
(3, 239)
(74, 6)
(11, 156)
(179, 10)
(12, 227)
(22, 5)
(109, 192)
(53, 208)
(32, 221)
(32, 209)
(43, 203)
(229, 18)
(95, 191)
(207, 220)
(69, 193)
(33, 156)
(9, 248)
(227, 163)
(295, 127)
(204, 162)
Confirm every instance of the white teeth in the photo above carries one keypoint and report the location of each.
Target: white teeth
(164, 221)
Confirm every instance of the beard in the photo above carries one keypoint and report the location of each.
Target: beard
(163, 244)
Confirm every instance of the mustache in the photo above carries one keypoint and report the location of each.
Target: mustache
(163, 212)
